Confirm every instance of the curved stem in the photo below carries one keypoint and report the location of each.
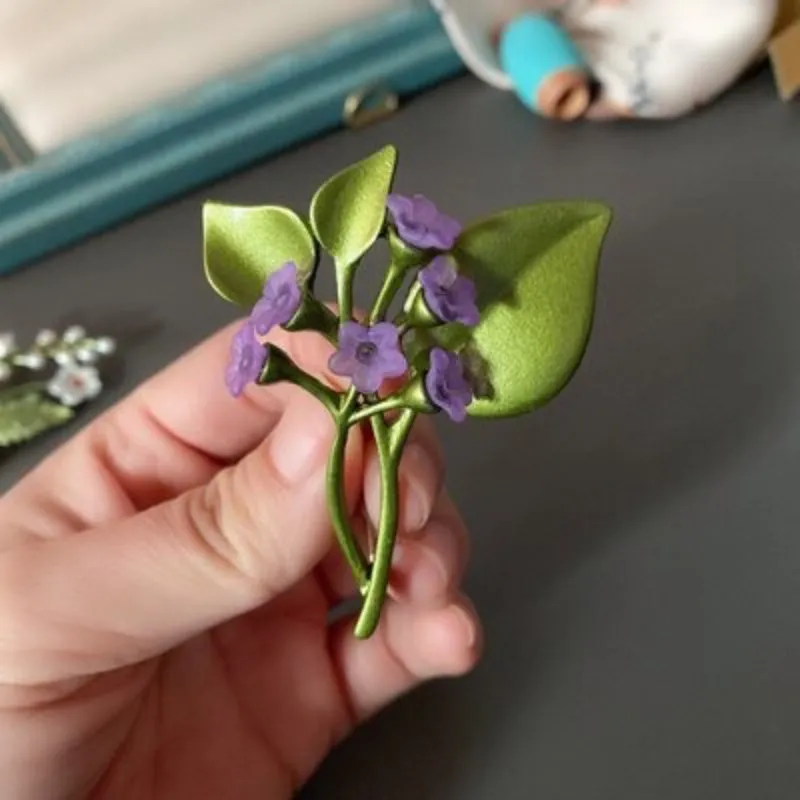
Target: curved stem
(337, 499)
(337, 503)
(398, 433)
(389, 442)
(327, 396)
(315, 316)
(390, 403)
(391, 285)
(279, 367)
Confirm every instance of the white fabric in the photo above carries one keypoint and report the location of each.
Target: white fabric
(653, 58)
(70, 67)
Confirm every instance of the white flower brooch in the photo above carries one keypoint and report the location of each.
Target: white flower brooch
(32, 403)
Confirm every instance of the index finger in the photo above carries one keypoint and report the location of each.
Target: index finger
(170, 434)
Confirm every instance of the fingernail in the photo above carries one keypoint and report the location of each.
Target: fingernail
(421, 479)
(298, 445)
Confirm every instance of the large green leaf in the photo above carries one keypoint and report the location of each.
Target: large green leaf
(536, 272)
(349, 210)
(244, 245)
(25, 415)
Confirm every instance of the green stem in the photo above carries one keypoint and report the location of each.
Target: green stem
(391, 285)
(372, 582)
(344, 290)
(327, 396)
(279, 367)
(314, 316)
(389, 442)
(337, 499)
(391, 403)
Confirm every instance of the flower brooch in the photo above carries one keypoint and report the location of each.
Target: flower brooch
(31, 404)
(493, 318)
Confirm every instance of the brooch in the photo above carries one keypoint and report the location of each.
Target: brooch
(493, 322)
(43, 385)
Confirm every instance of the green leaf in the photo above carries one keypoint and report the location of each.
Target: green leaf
(349, 210)
(23, 416)
(536, 272)
(244, 245)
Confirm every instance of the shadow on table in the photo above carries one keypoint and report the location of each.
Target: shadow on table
(664, 399)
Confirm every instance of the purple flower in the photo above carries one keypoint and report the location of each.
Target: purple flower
(246, 360)
(446, 384)
(368, 355)
(420, 224)
(449, 295)
(279, 301)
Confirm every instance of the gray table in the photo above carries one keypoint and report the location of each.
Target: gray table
(637, 543)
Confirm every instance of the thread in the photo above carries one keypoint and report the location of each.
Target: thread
(548, 72)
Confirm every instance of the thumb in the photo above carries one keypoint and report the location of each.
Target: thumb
(119, 594)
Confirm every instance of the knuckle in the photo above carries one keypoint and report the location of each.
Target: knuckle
(233, 531)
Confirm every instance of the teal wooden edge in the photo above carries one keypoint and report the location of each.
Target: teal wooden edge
(97, 182)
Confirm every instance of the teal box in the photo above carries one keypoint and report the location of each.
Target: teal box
(87, 186)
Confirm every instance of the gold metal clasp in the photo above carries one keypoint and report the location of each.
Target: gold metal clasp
(369, 105)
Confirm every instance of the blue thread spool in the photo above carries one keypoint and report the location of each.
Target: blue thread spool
(548, 73)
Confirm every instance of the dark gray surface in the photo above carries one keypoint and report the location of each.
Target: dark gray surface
(637, 543)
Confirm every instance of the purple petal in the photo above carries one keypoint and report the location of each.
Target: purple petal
(384, 335)
(399, 205)
(234, 382)
(429, 239)
(465, 289)
(262, 317)
(420, 223)
(283, 277)
(469, 316)
(444, 235)
(445, 271)
(425, 210)
(450, 229)
(464, 296)
(440, 359)
(429, 280)
(351, 335)
(282, 294)
(367, 378)
(246, 359)
(457, 411)
(446, 385)
(343, 364)
(393, 363)
(440, 272)
(450, 296)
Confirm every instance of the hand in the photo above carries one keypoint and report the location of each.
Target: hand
(165, 581)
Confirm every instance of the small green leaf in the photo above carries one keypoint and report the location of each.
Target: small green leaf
(244, 245)
(348, 210)
(536, 272)
(23, 416)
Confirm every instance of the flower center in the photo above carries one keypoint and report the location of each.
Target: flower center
(445, 293)
(365, 352)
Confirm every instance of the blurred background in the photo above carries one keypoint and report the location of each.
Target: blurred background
(70, 67)
(636, 542)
